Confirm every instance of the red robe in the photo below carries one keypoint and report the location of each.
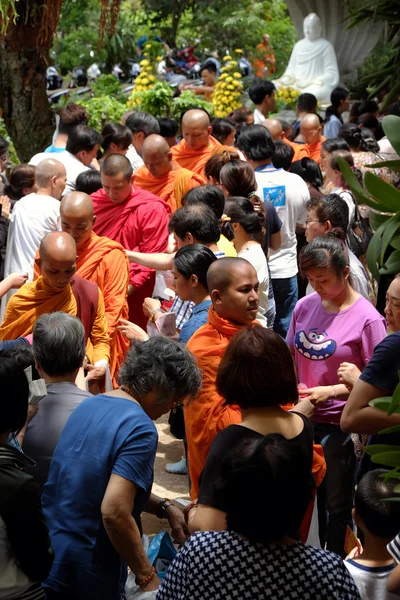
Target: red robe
(139, 224)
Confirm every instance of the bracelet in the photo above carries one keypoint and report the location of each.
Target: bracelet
(163, 505)
(147, 579)
(153, 314)
(334, 391)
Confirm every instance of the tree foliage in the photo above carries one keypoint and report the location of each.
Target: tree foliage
(386, 75)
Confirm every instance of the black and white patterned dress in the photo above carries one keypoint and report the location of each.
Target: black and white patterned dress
(222, 566)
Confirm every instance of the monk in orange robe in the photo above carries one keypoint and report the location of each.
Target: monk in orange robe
(162, 176)
(233, 288)
(102, 261)
(197, 145)
(311, 129)
(275, 128)
(58, 289)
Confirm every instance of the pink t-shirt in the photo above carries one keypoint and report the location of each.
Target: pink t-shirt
(322, 340)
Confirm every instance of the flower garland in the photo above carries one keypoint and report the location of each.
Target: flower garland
(227, 94)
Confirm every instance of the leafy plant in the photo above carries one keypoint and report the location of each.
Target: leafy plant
(107, 85)
(102, 110)
(157, 100)
(11, 151)
(386, 74)
(189, 100)
(383, 255)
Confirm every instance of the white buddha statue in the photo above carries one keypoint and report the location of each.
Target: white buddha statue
(312, 66)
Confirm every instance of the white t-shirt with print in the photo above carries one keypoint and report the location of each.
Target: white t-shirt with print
(254, 254)
(289, 194)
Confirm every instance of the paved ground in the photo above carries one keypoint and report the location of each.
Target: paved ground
(165, 485)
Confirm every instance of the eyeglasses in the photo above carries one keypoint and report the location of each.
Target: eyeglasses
(314, 221)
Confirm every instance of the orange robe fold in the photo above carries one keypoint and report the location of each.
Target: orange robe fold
(195, 160)
(312, 151)
(296, 148)
(207, 414)
(172, 187)
(37, 298)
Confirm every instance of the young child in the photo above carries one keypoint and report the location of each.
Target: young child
(379, 520)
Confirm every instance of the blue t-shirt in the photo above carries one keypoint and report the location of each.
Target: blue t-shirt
(198, 317)
(104, 435)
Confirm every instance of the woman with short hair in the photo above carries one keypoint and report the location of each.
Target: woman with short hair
(101, 476)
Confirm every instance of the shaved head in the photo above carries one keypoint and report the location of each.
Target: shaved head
(157, 155)
(196, 129)
(57, 245)
(77, 216)
(233, 286)
(311, 128)
(57, 259)
(195, 117)
(310, 120)
(117, 164)
(77, 203)
(274, 127)
(50, 175)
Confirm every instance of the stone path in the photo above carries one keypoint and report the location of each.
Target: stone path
(165, 485)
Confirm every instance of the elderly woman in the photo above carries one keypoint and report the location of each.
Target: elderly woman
(25, 553)
(101, 476)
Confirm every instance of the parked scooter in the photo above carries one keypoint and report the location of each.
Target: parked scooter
(53, 79)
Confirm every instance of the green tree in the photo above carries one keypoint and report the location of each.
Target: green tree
(27, 28)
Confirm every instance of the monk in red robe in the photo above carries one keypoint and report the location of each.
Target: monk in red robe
(162, 176)
(58, 289)
(197, 145)
(311, 129)
(135, 218)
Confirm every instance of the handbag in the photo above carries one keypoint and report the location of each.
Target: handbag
(359, 233)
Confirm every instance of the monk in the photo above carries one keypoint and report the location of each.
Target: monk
(135, 218)
(162, 176)
(233, 287)
(102, 261)
(311, 129)
(197, 145)
(275, 128)
(58, 289)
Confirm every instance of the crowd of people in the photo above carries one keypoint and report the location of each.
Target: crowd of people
(212, 270)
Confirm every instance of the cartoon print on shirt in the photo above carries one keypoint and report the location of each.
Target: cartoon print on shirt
(314, 345)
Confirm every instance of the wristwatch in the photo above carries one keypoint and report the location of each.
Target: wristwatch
(162, 508)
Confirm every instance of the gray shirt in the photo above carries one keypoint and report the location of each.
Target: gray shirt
(43, 432)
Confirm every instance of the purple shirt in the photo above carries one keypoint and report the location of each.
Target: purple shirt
(322, 340)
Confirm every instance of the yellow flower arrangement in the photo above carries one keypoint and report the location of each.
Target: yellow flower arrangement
(227, 95)
(144, 81)
(287, 96)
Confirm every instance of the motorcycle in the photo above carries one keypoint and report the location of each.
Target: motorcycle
(79, 77)
(53, 79)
